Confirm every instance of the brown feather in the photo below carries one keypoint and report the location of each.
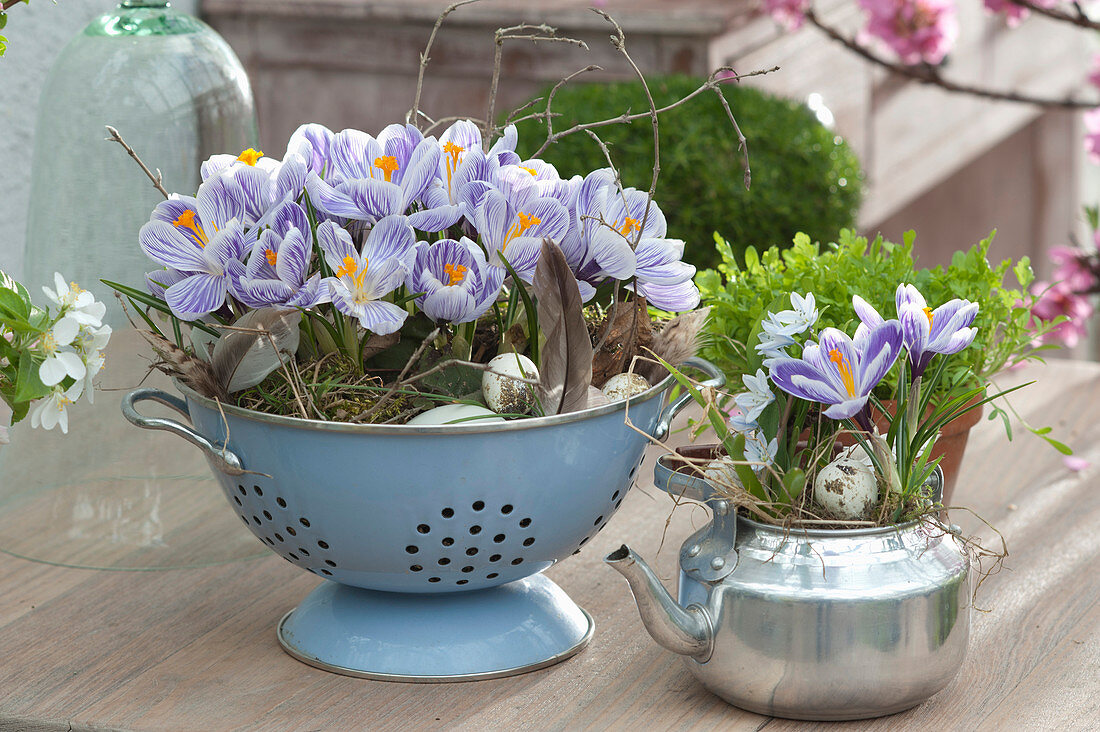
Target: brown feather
(243, 357)
(565, 371)
(679, 340)
(178, 363)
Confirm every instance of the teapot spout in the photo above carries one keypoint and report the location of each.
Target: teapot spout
(687, 631)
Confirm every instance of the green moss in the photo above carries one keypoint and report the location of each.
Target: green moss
(804, 177)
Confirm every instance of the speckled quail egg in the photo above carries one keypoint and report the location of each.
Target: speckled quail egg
(847, 488)
(506, 395)
(624, 386)
(450, 413)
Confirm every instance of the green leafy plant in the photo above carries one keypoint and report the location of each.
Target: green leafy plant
(741, 293)
(804, 177)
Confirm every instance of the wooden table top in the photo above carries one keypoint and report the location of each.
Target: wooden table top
(195, 649)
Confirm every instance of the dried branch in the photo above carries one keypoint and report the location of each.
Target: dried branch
(397, 383)
(927, 74)
(522, 32)
(742, 143)
(414, 113)
(1077, 18)
(115, 137)
(470, 364)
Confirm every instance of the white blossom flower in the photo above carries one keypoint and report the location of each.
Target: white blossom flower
(90, 343)
(58, 363)
(759, 395)
(76, 303)
(50, 412)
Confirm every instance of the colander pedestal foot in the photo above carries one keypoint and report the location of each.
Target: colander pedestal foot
(457, 636)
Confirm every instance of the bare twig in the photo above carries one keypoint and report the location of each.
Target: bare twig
(470, 364)
(115, 137)
(522, 32)
(1078, 17)
(927, 74)
(397, 383)
(414, 113)
(742, 143)
(627, 117)
(436, 124)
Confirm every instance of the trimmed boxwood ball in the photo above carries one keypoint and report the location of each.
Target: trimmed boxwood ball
(804, 177)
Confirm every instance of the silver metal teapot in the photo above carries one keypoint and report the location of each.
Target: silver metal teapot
(809, 624)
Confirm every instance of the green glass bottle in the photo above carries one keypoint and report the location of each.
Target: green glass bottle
(176, 93)
(102, 496)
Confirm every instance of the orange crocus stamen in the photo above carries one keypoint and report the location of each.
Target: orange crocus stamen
(348, 267)
(629, 225)
(519, 228)
(452, 150)
(532, 171)
(845, 370)
(928, 312)
(455, 273)
(186, 220)
(387, 164)
(272, 257)
(250, 156)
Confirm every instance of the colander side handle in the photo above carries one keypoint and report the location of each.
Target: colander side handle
(716, 380)
(222, 458)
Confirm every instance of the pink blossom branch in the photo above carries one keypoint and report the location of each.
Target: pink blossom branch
(1078, 18)
(930, 75)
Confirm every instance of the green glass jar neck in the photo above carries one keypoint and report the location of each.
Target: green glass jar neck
(144, 4)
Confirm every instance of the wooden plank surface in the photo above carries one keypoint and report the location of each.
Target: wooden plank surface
(195, 649)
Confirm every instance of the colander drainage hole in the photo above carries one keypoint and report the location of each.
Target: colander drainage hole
(238, 500)
(279, 536)
(471, 552)
(303, 551)
(326, 572)
(526, 542)
(461, 582)
(281, 502)
(423, 528)
(447, 512)
(506, 509)
(475, 530)
(443, 561)
(292, 555)
(330, 563)
(323, 544)
(256, 519)
(524, 523)
(416, 568)
(517, 560)
(269, 541)
(242, 489)
(258, 489)
(498, 539)
(478, 505)
(467, 570)
(494, 558)
(412, 549)
(492, 575)
(614, 495)
(267, 515)
(304, 522)
(290, 530)
(433, 579)
(245, 519)
(447, 541)
(597, 521)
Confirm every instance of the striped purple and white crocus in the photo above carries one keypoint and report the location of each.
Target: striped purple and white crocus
(361, 280)
(277, 273)
(457, 283)
(926, 332)
(839, 371)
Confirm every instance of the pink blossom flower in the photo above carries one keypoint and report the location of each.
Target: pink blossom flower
(1076, 464)
(1092, 134)
(1072, 269)
(916, 30)
(1057, 300)
(1014, 13)
(788, 13)
(1094, 72)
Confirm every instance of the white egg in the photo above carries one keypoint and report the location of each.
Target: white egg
(721, 473)
(846, 488)
(506, 395)
(624, 386)
(448, 413)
